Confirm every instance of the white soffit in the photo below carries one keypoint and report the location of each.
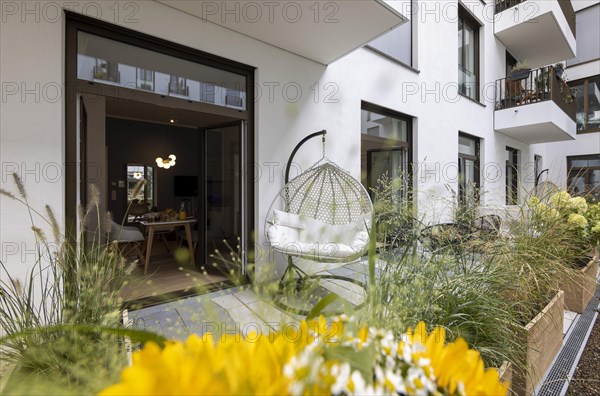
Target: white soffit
(323, 31)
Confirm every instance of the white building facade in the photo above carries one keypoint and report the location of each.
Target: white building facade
(430, 98)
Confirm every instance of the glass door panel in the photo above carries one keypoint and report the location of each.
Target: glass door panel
(223, 195)
(391, 163)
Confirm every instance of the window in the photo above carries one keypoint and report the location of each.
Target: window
(587, 98)
(511, 62)
(135, 173)
(145, 79)
(385, 147)
(233, 98)
(106, 71)
(468, 169)
(584, 176)
(512, 176)
(397, 43)
(107, 61)
(468, 55)
(178, 86)
(588, 35)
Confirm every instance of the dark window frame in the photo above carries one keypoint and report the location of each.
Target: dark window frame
(580, 172)
(464, 17)
(586, 104)
(76, 22)
(461, 166)
(408, 145)
(512, 183)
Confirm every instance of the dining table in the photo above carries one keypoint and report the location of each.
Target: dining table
(153, 226)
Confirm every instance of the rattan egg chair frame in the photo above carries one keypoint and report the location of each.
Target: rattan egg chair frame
(335, 206)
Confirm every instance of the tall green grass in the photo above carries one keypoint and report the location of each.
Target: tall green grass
(71, 286)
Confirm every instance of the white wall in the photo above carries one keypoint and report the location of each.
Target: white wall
(33, 132)
(581, 4)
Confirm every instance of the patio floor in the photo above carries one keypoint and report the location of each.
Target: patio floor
(236, 309)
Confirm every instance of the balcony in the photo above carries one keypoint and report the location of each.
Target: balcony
(543, 32)
(322, 31)
(536, 109)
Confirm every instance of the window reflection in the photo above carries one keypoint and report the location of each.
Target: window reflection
(111, 62)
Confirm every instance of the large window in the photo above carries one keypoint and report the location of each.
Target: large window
(468, 55)
(468, 169)
(385, 148)
(512, 176)
(584, 176)
(103, 60)
(397, 43)
(588, 35)
(587, 98)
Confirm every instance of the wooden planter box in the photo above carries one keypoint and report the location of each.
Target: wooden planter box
(506, 375)
(543, 335)
(581, 288)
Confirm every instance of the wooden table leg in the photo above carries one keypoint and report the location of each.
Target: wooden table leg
(190, 241)
(149, 248)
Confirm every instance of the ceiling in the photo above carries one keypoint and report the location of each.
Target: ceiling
(147, 112)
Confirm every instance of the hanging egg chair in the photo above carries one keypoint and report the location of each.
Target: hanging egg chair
(320, 220)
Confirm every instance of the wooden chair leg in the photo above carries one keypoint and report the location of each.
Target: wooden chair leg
(138, 252)
(163, 238)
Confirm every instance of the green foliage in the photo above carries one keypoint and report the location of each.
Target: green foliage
(521, 65)
(393, 211)
(70, 284)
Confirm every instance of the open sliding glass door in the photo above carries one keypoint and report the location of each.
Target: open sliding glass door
(223, 211)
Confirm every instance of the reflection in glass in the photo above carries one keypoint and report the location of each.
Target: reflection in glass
(593, 103)
(385, 150)
(587, 100)
(467, 51)
(584, 176)
(223, 189)
(111, 62)
(145, 79)
(136, 173)
(468, 170)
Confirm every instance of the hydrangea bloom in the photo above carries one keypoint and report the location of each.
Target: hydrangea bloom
(561, 199)
(578, 204)
(577, 220)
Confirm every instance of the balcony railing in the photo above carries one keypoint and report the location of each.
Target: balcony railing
(541, 85)
(565, 6)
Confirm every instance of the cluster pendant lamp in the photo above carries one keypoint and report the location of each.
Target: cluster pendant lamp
(167, 162)
(170, 160)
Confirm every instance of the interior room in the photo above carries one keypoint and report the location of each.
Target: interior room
(203, 180)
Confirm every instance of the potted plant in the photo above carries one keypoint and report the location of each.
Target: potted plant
(534, 254)
(520, 71)
(559, 69)
(581, 287)
(578, 221)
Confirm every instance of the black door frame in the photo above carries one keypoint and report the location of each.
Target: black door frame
(77, 22)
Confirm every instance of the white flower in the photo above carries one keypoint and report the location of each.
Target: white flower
(342, 376)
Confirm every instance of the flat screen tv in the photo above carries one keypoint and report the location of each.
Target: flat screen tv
(185, 186)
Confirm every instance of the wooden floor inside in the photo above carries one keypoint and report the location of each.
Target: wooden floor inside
(167, 277)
